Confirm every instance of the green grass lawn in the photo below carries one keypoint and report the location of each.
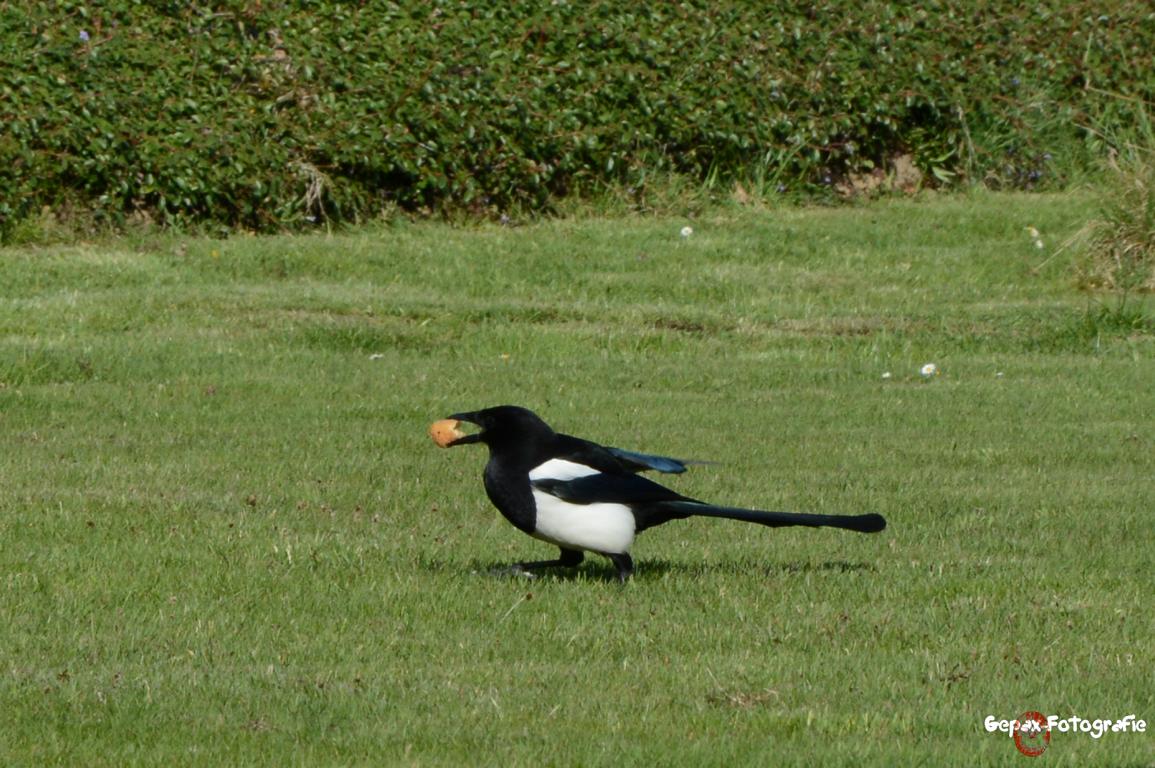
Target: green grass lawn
(226, 539)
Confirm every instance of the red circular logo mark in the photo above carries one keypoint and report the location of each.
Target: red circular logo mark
(1031, 734)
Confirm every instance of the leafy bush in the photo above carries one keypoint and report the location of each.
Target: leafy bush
(274, 114)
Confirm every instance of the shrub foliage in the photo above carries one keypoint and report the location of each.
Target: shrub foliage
(267, 114)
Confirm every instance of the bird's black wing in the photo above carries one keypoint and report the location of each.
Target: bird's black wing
(640, 462)
(651, 504)
(613, 460)
(632, 490)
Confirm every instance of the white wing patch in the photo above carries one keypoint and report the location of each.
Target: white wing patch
(560, 469)
(603, 527)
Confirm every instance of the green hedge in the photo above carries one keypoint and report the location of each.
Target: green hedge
(271, 114)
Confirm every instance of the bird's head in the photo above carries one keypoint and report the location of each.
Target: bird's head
(503, 426)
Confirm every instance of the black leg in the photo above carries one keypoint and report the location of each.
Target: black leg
(568, 559)
(625, 565)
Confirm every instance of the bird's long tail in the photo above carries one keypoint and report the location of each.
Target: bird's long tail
(869, 523)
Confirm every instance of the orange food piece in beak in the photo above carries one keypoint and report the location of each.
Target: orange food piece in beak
(445, 432)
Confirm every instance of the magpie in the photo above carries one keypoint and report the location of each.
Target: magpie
(584, 497)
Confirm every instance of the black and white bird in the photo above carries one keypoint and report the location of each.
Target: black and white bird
(584, 497)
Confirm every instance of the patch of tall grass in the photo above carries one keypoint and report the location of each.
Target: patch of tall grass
(1120, 253)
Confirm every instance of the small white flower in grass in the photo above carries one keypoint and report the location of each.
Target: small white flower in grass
(687, 231)
(929, 370)
(1039, 244)
(1034, 233)
(886, 374)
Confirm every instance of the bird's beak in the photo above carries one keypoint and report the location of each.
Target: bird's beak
(468, 418)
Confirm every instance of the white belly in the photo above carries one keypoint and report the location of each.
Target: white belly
(606, 527)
